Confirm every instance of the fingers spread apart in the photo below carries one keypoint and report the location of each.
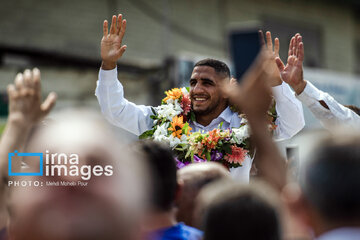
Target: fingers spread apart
(49, 103)
(105, 28)
(19, 81)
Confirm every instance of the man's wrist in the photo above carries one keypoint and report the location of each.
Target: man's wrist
(19, 121)
(108, 65)
(257, 119)
(299, 88)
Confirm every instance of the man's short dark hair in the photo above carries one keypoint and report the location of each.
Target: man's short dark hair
(162, 167)
(242, 212)
(219, 66)
(331, 179)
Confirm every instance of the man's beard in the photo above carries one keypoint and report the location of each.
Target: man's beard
(206, 111)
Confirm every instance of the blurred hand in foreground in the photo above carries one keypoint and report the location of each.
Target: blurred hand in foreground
(253, 97)
(253, 94)
(25, 102)
(25, 110)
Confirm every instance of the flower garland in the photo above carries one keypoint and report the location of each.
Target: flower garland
(229, 147)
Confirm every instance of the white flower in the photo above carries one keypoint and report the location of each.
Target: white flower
(184, 90)
(160, 134)
(177, 107)
(184, 139)
(243, 120)
(174, 141)
(170, 101)
(241, 133)
(169, 111)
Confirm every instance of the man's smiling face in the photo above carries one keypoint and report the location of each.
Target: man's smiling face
(205, 91)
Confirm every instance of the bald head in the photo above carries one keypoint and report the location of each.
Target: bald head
(195, 177)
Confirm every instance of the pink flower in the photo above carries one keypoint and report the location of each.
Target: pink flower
(185, 104)
(237, 155)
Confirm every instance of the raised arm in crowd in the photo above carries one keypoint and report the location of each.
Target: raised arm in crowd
(322, 105)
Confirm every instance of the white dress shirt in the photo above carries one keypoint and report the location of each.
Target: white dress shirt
(336, 115)
(345, 233)
(136, 118)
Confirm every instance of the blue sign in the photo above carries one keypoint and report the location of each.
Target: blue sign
(40, 155)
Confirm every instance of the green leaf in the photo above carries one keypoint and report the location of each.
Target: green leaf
(208, 157)
(147, 134)
(153, 110)
(185, 128)
(188, 153)
(181, 147)
(192, 116)
(236, 139)
(227, 148)
(220, 125)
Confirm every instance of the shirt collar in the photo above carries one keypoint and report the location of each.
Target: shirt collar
(225, 116)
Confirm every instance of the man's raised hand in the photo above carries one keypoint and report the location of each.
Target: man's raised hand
(111, 48)
(25, 106)
(273, 53)
(292, 73)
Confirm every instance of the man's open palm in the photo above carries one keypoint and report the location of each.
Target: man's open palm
(111, 48)
(292, 73)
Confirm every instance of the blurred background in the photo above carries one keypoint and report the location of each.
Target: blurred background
(165, 38)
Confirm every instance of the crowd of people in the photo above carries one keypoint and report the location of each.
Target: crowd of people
(109, 190)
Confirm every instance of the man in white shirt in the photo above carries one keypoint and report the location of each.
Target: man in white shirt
(322, 105)
(208, 103)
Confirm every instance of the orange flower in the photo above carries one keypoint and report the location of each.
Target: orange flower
(174, 93)
(176, 126)
(212, 140)
(272, 127)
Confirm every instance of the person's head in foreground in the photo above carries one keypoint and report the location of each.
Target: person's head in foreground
(329, 194)
(161, 220)
(101, 186)
(230, 210)
(194, 177)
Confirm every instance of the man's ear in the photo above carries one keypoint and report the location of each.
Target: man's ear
(295, 201)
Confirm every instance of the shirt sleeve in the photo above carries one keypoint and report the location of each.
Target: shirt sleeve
(290, 113)
(118, 110)
(337, 114)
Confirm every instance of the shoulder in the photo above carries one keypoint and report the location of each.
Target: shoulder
(190, 232)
